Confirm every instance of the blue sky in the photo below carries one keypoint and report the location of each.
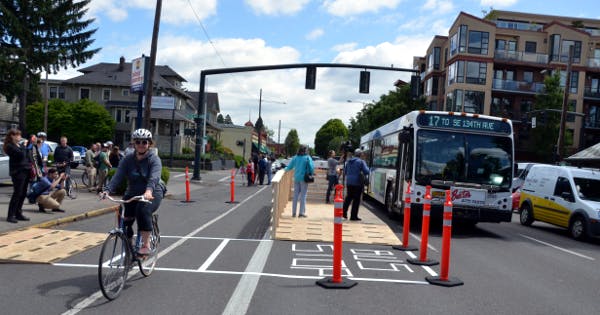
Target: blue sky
(208, 34)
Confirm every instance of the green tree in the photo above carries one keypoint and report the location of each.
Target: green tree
(545, 135)
(41, 35)
(220, 119)
(333, 128)
(292, 143)
(82, 122)
(389, 107)
(228, 120)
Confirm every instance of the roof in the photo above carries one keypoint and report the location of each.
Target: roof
(586, 157)
(212, 100)
(167, 114)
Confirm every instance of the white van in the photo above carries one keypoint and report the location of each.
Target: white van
(564, 196)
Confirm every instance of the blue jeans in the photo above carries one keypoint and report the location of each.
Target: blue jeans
(333, 180)
(300, 189)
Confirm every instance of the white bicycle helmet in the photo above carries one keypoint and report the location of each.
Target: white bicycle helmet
(42, 134)
(141, 134)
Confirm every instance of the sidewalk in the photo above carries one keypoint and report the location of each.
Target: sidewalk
(86, 204)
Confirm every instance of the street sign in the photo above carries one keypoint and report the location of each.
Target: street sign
(533, 122)
(137, 74)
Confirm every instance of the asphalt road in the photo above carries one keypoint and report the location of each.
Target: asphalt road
(218, 258)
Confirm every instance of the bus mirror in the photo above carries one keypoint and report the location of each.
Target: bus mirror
(405, 135)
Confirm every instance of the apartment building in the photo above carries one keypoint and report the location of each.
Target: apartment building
(496, 65)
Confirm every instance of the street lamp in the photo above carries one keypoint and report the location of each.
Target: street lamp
(259, 122)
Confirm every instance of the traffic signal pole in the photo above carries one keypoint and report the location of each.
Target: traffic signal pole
(201, 117)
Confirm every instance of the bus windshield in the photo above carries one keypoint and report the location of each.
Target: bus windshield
(458, 159)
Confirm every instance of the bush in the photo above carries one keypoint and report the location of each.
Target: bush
(187, 150)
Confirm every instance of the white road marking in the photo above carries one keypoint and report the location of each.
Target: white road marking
(240, 299)
(224, 179)
(98, 294)
(179, 175)
(559, 248)
(213, 256)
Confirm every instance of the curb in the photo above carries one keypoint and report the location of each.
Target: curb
(76, 217)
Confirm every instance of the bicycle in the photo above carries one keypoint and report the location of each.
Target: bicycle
(70, 183)
(118, 254)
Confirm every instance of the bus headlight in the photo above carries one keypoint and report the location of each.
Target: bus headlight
(496, 179)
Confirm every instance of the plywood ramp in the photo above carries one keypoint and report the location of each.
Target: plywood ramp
(318, 226)
(36, 245)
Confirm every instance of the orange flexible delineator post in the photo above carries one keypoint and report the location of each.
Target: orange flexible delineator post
(443, 279)
(337, 282)
(187, 186)
(232, 187)
(425, 232)
(406, 225)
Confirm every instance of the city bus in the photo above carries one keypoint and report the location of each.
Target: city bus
(471, 155)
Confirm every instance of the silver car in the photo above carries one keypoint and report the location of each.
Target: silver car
(4, 173)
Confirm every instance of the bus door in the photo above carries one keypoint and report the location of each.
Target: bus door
(403, 164)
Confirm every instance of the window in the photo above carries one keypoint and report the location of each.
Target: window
(454, 45)
(507, 45)
(478, 42)
(467, 71)
(118, 118)
(528, 76)
(53, 92)
(434, 87)
(473, 102)
(576, 51)
(554, 47)
(125, 92)
(106, 94)
(531, 47)
(56, 92)
(84, 93)
(562, 186)
(462, 38)
(501, 107)
(127, 120)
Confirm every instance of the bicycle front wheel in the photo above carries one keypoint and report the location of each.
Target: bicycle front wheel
(73, 189)
(113, 266)
(85, 179)
(147, 262)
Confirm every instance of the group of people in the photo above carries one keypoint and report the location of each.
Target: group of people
(257, 168)
(98, 160)
(28, 165)
(354, 170)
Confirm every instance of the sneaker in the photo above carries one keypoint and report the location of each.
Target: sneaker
(12, 220)
(41, 209)
(302, 215)
(293, 215)
(355, 219)
(58, 210)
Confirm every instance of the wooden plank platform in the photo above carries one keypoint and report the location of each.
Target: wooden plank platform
(37, 245)
(318, 226)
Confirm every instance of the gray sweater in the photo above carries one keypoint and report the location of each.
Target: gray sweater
(138, 183)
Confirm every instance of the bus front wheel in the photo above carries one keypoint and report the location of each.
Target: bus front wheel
(389, 203)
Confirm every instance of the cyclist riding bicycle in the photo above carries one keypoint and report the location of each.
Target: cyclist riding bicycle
(63, 156)
(142, 170)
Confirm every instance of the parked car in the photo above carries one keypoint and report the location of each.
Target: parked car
(568, 197)
(76, 155)
(4, 173)
(81, 150)
(520, 174)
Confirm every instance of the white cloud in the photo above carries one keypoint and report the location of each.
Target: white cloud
(172, 11)
(439, 6)
(344, 47)
(498, 3)
(314, 34)
(276, 7)
(356, 7)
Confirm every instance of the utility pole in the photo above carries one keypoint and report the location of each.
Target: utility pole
(149, 86)
(46, 104)
(259, 124)
(563, 115)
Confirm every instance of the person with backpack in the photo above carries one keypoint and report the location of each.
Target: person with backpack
(302, 164)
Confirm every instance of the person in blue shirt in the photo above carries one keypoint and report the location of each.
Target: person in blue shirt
(53, 196)
(44, 149)
(301, 164)
(354, 169)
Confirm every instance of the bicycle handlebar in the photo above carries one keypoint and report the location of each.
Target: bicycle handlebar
(134, 198)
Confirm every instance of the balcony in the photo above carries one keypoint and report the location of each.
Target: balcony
(594, 62)
(521, 56)
(591, 92)
(518, 86)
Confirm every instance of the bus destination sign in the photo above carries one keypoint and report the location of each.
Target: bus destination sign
(463, 123)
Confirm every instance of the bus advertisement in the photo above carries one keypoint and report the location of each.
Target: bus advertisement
(471, 155)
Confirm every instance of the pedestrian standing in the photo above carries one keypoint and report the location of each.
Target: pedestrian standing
(19, 166)
(262, 169)
(250, 172)
(301, 164)
(332, 174)
(90, 166)
(103, 166)
(354, 169)
(269, 169)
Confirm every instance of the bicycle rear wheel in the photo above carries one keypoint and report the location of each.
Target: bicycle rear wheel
(85, 179)
(113, 265)
(73, 189)
(148, 262)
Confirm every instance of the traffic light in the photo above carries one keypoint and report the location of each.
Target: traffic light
(415, 86)
(311, 78)
(363, 85)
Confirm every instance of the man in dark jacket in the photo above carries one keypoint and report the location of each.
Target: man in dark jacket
(354, 182)
(63, 155)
